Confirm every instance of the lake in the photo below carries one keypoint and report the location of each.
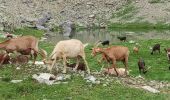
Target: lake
(91, 36)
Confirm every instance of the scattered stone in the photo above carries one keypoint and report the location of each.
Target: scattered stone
(44, 78)
(91, 79)
(131, 41)
(150, 89)
(16, 81)
(104, 85)
(18, 68)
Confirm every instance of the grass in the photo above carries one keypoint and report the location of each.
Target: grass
(29, 31)
(139, 25)
(77, 88)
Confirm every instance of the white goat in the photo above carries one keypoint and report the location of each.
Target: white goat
(67, 49)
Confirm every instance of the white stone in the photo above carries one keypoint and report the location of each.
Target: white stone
(16, 81)
(150, 89)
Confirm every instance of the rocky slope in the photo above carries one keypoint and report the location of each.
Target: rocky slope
(17, 13)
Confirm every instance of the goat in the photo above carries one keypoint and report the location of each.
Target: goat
(67, 49)
(113, 54)
(106, 42)
(4, 58)
(111, 71)
(167, 53)
(156, 47)
(20, 59)
(81, 66)
(22, 44)
(141, 65)
(122, 38)
(135, 49)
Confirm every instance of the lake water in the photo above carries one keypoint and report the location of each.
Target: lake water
(91, 36)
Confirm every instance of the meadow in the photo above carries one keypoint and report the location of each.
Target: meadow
(77, 88)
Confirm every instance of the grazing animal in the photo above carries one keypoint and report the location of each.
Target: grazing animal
(4, 58)
(81, 66)
(156, 47)
(141, 65)
(67, 49)
(113, 54)
(21, 44)
(122, 38)
(135, 49)
(20, 59)
(111, 71)
(167, 53)
(106, 42)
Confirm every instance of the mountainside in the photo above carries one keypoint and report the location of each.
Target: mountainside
(84, 12)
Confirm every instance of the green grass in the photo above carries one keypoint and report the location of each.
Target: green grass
(77, 88)
(29, 31)
(139, 25)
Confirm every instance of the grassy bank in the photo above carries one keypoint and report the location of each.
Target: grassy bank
(138, 25)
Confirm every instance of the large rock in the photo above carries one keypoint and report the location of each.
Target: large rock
(68, 28)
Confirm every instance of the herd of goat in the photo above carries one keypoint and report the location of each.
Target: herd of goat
(26, 47)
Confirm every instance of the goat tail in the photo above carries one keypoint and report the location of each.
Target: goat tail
(43, 53)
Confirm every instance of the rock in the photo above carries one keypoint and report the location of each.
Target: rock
(150, 89)
(104, 85)
(68, 28)
(131, 41)
(39, 63)
(18, 68)
(60, 78)
(92, 16)
(16, 81)
(91, 79)
(45, 78)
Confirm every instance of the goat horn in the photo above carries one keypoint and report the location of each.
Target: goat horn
(43, 53)
(97, 43)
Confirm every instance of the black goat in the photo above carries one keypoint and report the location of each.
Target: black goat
(156, 47)
(80, 67)
(106, 42)
(122, 38)
(141, 65)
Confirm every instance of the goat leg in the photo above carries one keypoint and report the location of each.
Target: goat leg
(77, 64)
(53, 63)
(114, 66)
(88, 70)
(64, 63)
(35, 56)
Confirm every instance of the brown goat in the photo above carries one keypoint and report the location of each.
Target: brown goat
(23, 44)
(113, 54)
(135, 49)
(4, 58)
(20, 59)
(167, 53)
